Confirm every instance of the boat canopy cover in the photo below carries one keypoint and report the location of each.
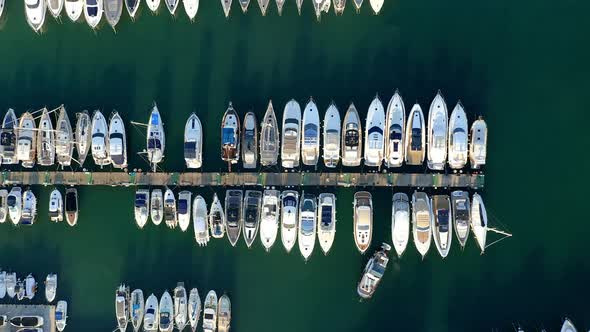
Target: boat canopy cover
(190, 150)
(164, 319)
(416, 139)
(92, 8)
(310, 132)
(292, 121)
(208, 315)
(352, 137)
(326, 215)
(307, 225)
(228, 136)
(59, 315)
(377, 270)
(182, 206)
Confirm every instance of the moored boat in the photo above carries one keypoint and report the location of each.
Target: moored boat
(194, 308)
(269, 218)
(14, 202)
(394, 131)
(74, 9)
(251, 214)
(216, 218)
(233, 214)
(122, 307)
(263, 4)
(363, 220)
(56, 206)
(180, 306)
(250, 141)
(458, 140)
(307, 225)
(193, 142)
(29, 212)
(210, 312)
(289, 218)
(352, 138)
(64, 139)
(50, 287)
(332, 139)
(442, 226)
(35, 13)
(170, 216)
(224, 313)
(141, 212)
(290, 154)
(326, 221)
(230, 133)
(421, 221)
(461, 212)
(479, 221)
(310, 140)
(400, 222)
(112, 11)
(83, 135)
(136, 309)
(157, 206)
(93, 12)
(415, 137)
(374, 139)
(156, 139)
(478, 146)
(26, 141)
(151, 315)
(373, 273)
(100, 140)
(166, 313)
(201, 228)
(269, 138)
(184, 209)
(117, 141)
(72, 206)
(45, 140)
(30, 287)
(61, 315)
(8, 138)
(437, 133)
(226, 4)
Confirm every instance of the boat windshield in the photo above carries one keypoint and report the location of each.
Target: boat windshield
(190, 150)
(154, 143)
(59, 315)
(443, 220)
(7, 138)
(11, 201)
(164, 318)
(395, 132)
(292, 121)
(228, 136)
(416, 139)
(307, 226)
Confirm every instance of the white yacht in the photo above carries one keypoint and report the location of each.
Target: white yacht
(210, 312)
(479, 221)
(184, 209)
(244, 4)
(307, 225)
(83, 135)
(35, 12)
(26, 322)
(352, 138)
(30, 287)
(461, 212)
(230, 134)
(50, 287)
(55, 7)
(357, 5)
(200, 221)
(10, 282)
(157, 206)
(479, 141)
(64, 139)
(233, 215)
(45, 140)
(112, 11)
(191, 7)
(122, 307)
(250, 141)
(156, 139)
(310, 140)
(137, 309)
(376, 5)
(216, 218)
(151, 316)
(269, 138)
(458, 140)
(71, 206)
(252, 205)
(373, 273)
(14, 202)
(269, 218)
(291, 135)
(280, 4)
(61, 315)
(193, 142)
(339, 6)
(141, 212)
(568, 326)
(3, 207)
(170, 216)
(437, 133)
(226, 4)
(363, 220)
(332, 127)
(415, 137)
(194, 308)
(100, 140)
(26, 141)
(394, 131)
(442, 226)
(117, 141)
(400, 222)
(289, 218)
(93, 12)
(153, 5)
(180, 307)
(132, 7)
(56, 205)
(166, 313)
(19, 290)
(263, 4)
(374, 141)
(74, 9)
(172, 5)
(8, 138)
(299, 5)
(224, 314)
(326, 221)
(29, 212)
(317, 8)
(421, 222)
(2, 285)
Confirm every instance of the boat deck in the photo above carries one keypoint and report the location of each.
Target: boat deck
(215, 179)
(45, 311)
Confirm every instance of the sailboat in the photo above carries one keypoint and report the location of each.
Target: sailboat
(224, 314)
(363, 220)
(461, 212)
(93, 12)
(216, 218)
(72, 206)
(421, 221)
(374, 142)
(194, 308)
(50, 287)
(83, 135)
(132, 7)
(64, 139)
(156, 139)
(210, 312)
(193, 142)
(263, 4)
(394, 131)
(56, 206)
(172, 5)
(8, 138)
(26, 141)
(35, 13)
(269, 219)
(153, 5)
(122, 307)
(289, 218)
(180, 306)
(152, 313)
(112, 11)
(310, 140)
(74, 9)
(157, 206)
(226, 4)
(100, 140)
(137, 309)
(29, 212)
(45, 140)
(184, 209)
(250, 141)
(244, 4)
(290, 153)
(352, 138)
(14, 202)
(117, 141)
(166, 313)
(233, 214)
(269, 138)
(307, 225)
(326, 221)
(437, 133)
(170, 209)
(442, 226)
(332, 129)
(230, 133)
(415, 137)
(376, 5)
(458, 140)
(3, 207)
(201, 229)
(479, 141)
(251, 206)
(400, 222)
(280, 4)
(339, 6)
(142, 197)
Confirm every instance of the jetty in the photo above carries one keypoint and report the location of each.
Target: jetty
(237, 179)
(45, 311)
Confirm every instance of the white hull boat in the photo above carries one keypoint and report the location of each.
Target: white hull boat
(226, 5)
(172, 5)
(64, 139)
(157, 206)
(299, 6)
(216, 219)
(35, 12)
(269, 138)
(26, 141)
(400, 222)
(50, 287)
(117, 141)
(100, 141)
(14, 202)
(363, 220)
(376, 5)
(156, 140)
(230, 134)
(269, 219)
(30, 287)
(200, 221)
(180, 307)
(568, 326)
(137, 309)
(374, 141)
(191, 7)
(421, 222)
(184, 209)
(332, 127)
(310, 141)
(210, 312)
(290, 154)
(250, 141)
(289, 218)
(442, 226)
(193, 142)
(252, 205)
(458, 140)
(29, 213)
(194, 308)
(2, 284)
(8, 138)
(224, 314)
(339, 6)
(3, 207)
(326, 221)
(263, 4)
(280, 4)
(170, 216)
(10, 284)
(357, 5)
(233, 215)
(461, 211)
(153, 5)
(437, 133)
(74, 9)
(56, 204)
(352, 138)
(479, 221)
(112, 11)
(307, 225)
(83, 136)
(132, 7)
(244, 5)
(394, 132)
(415, 137)
(45, 141)
(122, 307)
(166, 313)
(61, 315)
(151, 316)
(142, 197)
(479, 141)
(93, 12)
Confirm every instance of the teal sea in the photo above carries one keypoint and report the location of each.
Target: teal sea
(523, 65)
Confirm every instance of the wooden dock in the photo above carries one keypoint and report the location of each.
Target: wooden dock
(236, 179)
(45, 311)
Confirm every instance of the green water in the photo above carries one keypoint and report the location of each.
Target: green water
(523, 65)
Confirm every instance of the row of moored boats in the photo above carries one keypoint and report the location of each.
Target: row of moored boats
(178, 310)
(21, 207)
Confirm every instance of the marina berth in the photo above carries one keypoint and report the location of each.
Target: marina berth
(64, 139)
(122, 307)
(172, 5)
(339, 6)
(100, 140)
(327, 221)
(437, 134)
(93, 12)
(170, 216)
(26, 141)
(363, 220)
(8, 138)
(310, 141)
(117, 141)
(461, 212)
(479, 221)
(458, 140)
(193, 142)
(244, 5)
(201, 228)
(263, 4)
(184, 209)
(56, 206)
(226, 4)
(289, 218)
(55, 7)
(72, 206)
(376, 5)
(290, 153)
(142, 197)
(35, 13)
(83, 135)
(230, 133)
(374, 142)
(415, 137)
(132, 7)
(210, 312)
(352, 138)
(180, 307)
(269, 218)
(442, 227)
(217, 219)
(400, 222)
(157, 206)
(150, 318)
(74, 9)
(194, 308)
(421, 222)
(233, 214)
(374, 271)
(156, 139)
(224, 314)
(479, 141)
(332, 129)
(269, 138)
(3, 207)
(29, 211)
(252, 205)
(394, 131)
(112, 11)
(166, 313)
(137, 309)
(153, 5)
(45, 140)
(250, 141)
(307, 225)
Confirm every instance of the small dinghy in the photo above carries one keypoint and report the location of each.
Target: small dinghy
(30, 287)
(151, 316)
(269, 219)
(461, 208)
(56, 203)
(153, 5)
(3, 205)
(479, 141)
(122, 307)
(64, 139)
(74, 9)
(421, 221)
(2, 284)
(394, 131)
(230, 134)
(352, 138)
(35, 12)
(93, 12)
(339, 6)
(251, 206)
(307, 225)
(374, 142)
(194, 308)
(216, 218)
(442, 227)
(112, 11)
(55, 7)
(142, 197)
(191, 7)
(357, 5)
(29, 212)
(400, 222)
(200, 221)
(10, 281)
(157, 206)
(8, 138)
(100, 140)
(415, 137)
(226, 4)
(363, 220)
(72, 206)
(180, 306)
(290, 149)
(83, 136)
(233, 214)
(132, 7)
(280, 4)
(184, 209)
(244, 4)
(210, 312)
(50, 287)
(263, 4)
(193, 142)
(332, 128)
(170, 209)
(289, 218)
(479, 221)
(117, 141)
(376, 5)
(27, 141)
(156, 139)
(137, 309)
(14, 203)
(224, 314)
(166, 313)
(172, 5)
(61, 315)
(437, 134)
(458, 140)
(250, 141)
(269, 138)
(310, 141)
(45, 141)
(326, 221)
